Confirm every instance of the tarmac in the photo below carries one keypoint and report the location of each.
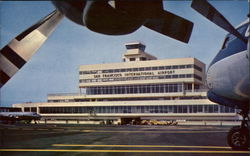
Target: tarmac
(106, 140)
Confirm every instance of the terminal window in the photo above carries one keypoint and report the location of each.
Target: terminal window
(135, 89)
(138, 109)
(144, 68)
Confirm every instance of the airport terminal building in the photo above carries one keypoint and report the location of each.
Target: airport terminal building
(139, 87)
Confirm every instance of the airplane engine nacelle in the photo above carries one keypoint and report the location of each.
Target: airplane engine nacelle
(111, 17)
(100, 16)
(71, 9)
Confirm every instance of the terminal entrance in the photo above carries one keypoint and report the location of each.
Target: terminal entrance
(132, 121)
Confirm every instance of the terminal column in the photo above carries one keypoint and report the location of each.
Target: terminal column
(183, 88)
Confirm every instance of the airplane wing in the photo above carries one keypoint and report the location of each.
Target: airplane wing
(19, 50)
(171, 25)
(207, 10)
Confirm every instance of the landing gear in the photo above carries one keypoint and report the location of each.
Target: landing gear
(238, 137)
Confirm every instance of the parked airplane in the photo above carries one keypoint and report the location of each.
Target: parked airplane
(228, 74)
(12, 117)
(113, 17)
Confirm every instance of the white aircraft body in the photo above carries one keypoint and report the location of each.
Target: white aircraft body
(228, 74)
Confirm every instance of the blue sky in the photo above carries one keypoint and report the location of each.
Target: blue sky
(54, 68)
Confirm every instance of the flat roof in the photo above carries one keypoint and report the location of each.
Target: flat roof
(149, 63)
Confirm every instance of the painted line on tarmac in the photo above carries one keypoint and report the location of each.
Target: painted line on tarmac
(147, 146)
(122, 151)
(195, 128)
(87, 130)
(104, 131)
(73, 130)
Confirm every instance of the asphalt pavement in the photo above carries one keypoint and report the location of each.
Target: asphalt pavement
(106, 140)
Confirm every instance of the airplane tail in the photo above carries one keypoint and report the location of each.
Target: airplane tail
(19, 50)
(171, 25)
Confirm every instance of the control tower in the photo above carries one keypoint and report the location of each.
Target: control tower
(136, 52)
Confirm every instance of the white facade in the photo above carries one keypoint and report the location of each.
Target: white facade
(141, 86)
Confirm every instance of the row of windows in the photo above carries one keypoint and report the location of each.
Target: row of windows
(30, 109)
(139, 109)
(131, 99)
(136, 46)
(142, 78)
(137, 89)
(142, 69)
(140, 58)
(10, 109)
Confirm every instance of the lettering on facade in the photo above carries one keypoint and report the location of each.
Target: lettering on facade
(111, 75)
(138, 74)
(134, 74)
(97, 76)
(166, 72)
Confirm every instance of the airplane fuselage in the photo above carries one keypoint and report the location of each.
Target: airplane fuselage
(18, 116)
(228, 74)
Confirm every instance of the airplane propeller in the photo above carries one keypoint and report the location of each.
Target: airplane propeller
(171, 25)
(207, 10)
(19, 50)
(110, 17)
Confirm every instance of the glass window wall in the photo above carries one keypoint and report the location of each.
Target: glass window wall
(156, 109)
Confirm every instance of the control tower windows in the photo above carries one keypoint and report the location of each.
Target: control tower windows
(135, 46)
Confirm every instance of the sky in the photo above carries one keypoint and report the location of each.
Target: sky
(54, 68)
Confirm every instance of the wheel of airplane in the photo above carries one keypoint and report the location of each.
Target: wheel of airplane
(238, 138)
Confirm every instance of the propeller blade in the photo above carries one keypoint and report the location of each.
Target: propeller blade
(19, 50)
(171, 25)
(207, 10)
